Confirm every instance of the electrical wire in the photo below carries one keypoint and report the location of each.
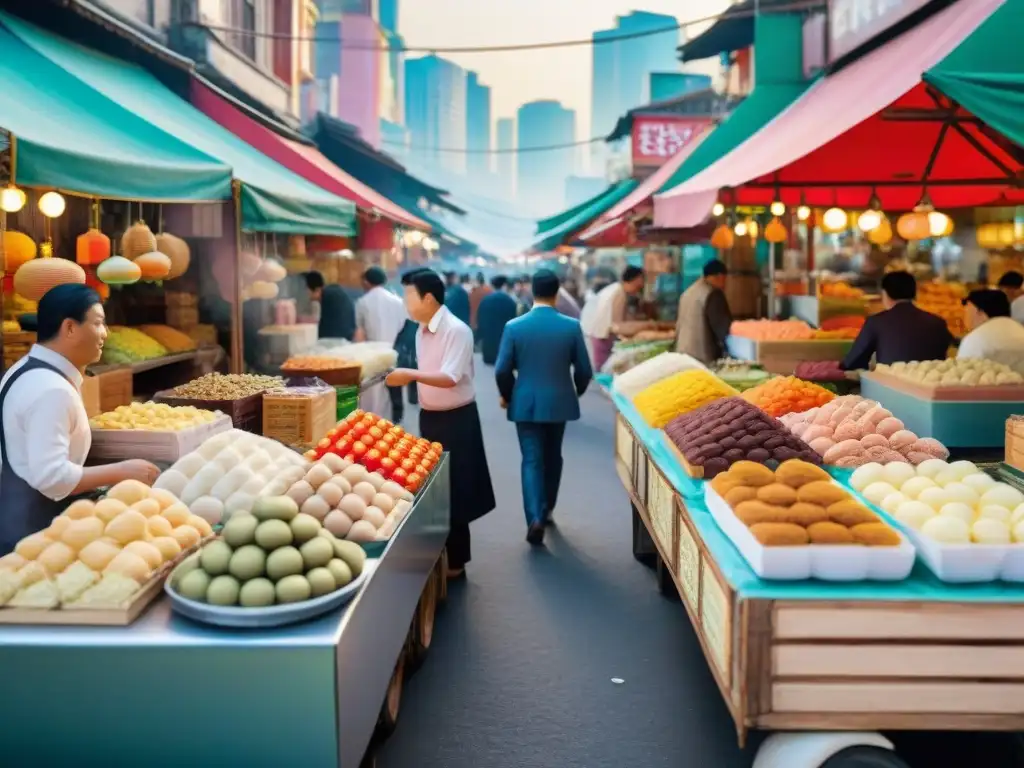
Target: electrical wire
(796, 5)
(516, 151)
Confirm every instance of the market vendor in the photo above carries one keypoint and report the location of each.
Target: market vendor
(608, 308)
(703, 319)
(380, 316)
(337, 311)
(992, 333)
(902, 332)
(448, 412)
(44, 430)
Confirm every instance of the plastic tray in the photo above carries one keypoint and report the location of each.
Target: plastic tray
(260, 618)
(814, 561)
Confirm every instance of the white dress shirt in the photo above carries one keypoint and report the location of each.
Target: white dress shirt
(380, 315)
(46, 426)
(1000, 339)
(599, 314)
(1017, 309)
(445, 345)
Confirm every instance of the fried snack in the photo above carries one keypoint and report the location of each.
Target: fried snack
(723, 483)
(777, 493)
(850, 513)
(751, 474)
(797, 473)
(753, 512)
(822, 492)
(738, 494)
(827, 532)
(875, 535)
(803, 514)
(780, 534)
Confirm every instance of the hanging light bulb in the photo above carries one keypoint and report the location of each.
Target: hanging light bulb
(872, 217)
(778, 208)
(740, 229)
(752, 228)
(939, 224)
(717, 209)
(803, 213)
(52, 204)
(834, 220)
(12, 199)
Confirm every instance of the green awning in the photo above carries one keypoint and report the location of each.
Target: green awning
(273, 199)
(581, 216)
(73, 138)
(548, 224)
(985, 73)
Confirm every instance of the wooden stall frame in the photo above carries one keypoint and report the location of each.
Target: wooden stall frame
(822, 665)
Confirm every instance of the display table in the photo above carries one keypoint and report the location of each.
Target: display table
(170, 692)
(782, 357)
(821, 656)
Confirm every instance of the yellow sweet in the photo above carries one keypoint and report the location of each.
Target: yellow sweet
(131, 565)
(56, 557)
(159, 526)
(152, 416)
(32, 546)
(98, 554)
(200, 525)
(176, 514)
(147, 507)
(79, 533)
(128, 526)
(79, 509)
(174, 340)
(108, 509)
(162, 497)
(58, 526)
(145, 550)
(678, 394)
(168, 547)
(129, 492)
(186, 536)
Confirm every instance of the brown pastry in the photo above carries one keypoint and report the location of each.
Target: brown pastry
(821, 492)
(753, 512)
(850, 513)
(738, 494)
(803, 514)
(875, 535)
(780, 534)
(798, 473)
(749, 473)
(723, 483)
(827, 532)
(777, 493)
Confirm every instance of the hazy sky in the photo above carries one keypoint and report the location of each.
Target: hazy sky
(519, 76)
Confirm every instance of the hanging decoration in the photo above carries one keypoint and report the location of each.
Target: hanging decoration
(717, 210)
(873, 216)
(939, 224)
(882, 234)
(261, 289)
(137, 240)
(34, 278)
(988, 236)
(92, 247)
(917, 225)
(250, 264)
(272, 271)
(19, 249)
(153, 266)
(740, 229)
(776, 231)
(177, 250)
(834, 221)
(722, 238)
(117, 270)
(12, 199)
(777, 208)
(752, 228)
(52, 204)
(96, 284)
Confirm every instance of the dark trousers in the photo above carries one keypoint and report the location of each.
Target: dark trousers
(541, 447)
(458, 546)
(398, 405)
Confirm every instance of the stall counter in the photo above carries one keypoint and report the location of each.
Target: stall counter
(167, 691)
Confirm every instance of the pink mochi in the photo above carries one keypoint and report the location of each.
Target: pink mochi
(875, 441)
(889, 426)
(822, 445)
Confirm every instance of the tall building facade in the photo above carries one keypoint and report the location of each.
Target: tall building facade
(478, 127)
(621, 67)
(540, 175)
(505, 134)
(435, 112)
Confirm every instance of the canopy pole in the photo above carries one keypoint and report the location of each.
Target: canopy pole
(237, 337)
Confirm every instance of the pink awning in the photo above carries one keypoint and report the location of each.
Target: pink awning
(303, 159)
(649, 187)
(834, 147)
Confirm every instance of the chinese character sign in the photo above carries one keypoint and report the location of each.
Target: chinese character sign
(655, 140)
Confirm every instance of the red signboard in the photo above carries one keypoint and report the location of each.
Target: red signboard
(656, 139)
(851, 23)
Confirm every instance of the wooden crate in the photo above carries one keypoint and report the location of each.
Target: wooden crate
(182, 318)
(1015, 443)
(246, 413)
(348, 375)
(299, 416)
(108, 389)
(166, 447)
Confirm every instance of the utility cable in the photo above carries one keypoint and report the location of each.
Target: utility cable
(516, 151)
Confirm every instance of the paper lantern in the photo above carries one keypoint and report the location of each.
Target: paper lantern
(775, 232)
(803, 213)
(939, 224)
(777, 208)
(740, 229)
(296, 246)
(1007, 235)
(153, 265)
(722, 238)
(19, 249)
(250, 264)
(12, 199)
(117, 270)
(717, 209)
(91, 248)
(834, 220)
(272, 271)
(177, 251)
(988, 235)
(881, 234)
(914, 225)
(869, 220)
(137, 240)
(261, 289)
(34, 278)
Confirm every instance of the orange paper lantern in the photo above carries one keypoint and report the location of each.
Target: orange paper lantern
(18, 249)
(914, 225)
(91, 248)
(153, 265)
(34, 278)
(775, 232)
(881, 234)
(722, 238)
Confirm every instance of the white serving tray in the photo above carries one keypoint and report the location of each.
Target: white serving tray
(162, 446)
(812, 561)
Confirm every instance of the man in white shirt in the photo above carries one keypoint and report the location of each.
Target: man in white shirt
(448, 412)
(44, 430)
(606, 309)
(1012, 284)
(993, 334)
(380, 316)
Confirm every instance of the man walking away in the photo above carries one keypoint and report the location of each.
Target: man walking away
(496, 310)
(542, 371)
(337, 311)
(448, 412)
(704, 319)
(523, 295)
(380, 316)
(456, 298)
(606, 310)
(477, 293)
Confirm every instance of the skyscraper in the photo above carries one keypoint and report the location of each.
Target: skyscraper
(621, 68)
(506, 166)
(478, 126)
(435, 111)
(540, 175)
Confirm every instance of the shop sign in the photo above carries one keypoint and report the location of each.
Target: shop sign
(851, 23)
(656, 139)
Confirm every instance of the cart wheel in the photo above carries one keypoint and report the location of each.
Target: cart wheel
(421, 633)
(864, 757)
(666, 586)
(643, 546)
(388, 719)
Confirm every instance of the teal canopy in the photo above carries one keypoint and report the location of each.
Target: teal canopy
(73, 138)
(273, 199)
(569, 222)
(544, 225)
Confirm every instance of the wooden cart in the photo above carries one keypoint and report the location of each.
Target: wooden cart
(826, 665)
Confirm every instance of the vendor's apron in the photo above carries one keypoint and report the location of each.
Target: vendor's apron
(23, 509)
(459, 431)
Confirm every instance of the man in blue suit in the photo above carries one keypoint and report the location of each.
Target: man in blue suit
(542, 371)
(496, 310)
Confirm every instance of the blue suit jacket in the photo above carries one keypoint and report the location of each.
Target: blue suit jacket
(547, 351)
(496, 311)
(456, 298)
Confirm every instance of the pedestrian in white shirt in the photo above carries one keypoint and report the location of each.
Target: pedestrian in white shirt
(993, 334)
(1012, 284)
(44, 430)
(380, 316)
(605, 310)
(448, 412)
